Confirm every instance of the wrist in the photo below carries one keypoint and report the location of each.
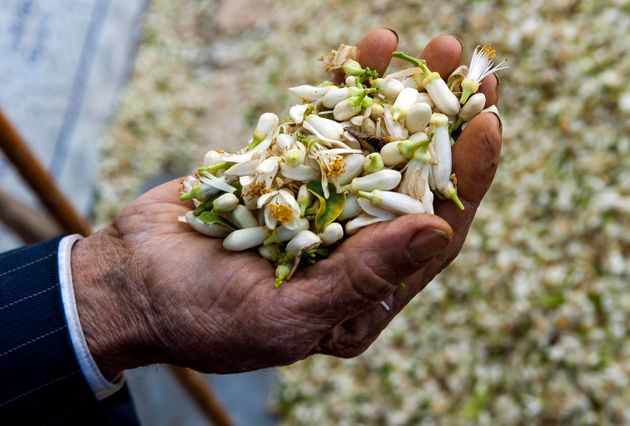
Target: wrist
(110, 298)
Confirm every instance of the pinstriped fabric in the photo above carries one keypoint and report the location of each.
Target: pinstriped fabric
(40, 380)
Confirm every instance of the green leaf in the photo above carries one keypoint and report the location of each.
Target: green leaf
(210, 218)
(329, 208)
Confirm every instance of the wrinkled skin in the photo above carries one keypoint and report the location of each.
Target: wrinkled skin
(150, 289)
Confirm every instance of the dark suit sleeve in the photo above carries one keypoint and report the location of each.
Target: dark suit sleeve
(40, 378)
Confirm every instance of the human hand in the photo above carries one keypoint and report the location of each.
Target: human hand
(150, 289)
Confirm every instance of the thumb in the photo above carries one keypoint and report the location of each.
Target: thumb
(370, 265)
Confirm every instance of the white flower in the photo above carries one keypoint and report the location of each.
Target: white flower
(395, 129)
(331, 163)
(393, 201)
(225, 203)
(405, 99)
(418, 117)
(383, 179)
(243, 217)
(329, 132)
(389, 88)
(363, 220)
(209, 229)
(332, 233)
(296, 112)
(212, 157)
(338, 94)
(218, 183)
(280, 206)
(310, 93)
(243, 239)
(305, 240)
(442, 170)
(473, 107)
(481, 65)
(261, 182)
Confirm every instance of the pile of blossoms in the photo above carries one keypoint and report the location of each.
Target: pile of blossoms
(361, 152)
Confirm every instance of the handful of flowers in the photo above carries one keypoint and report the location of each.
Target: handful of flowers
(349, 155)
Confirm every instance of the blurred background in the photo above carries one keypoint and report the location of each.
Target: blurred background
(529, 325)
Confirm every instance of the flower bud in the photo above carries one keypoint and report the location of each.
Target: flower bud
(209, 229)
(346, 109)
(373, 163)
(362, 221)
(442, 145)
(267, 123)
(354, 167)
(351, 81)
(323, 126)
(293, 157)
(352, 67)
(377, 111)
(473, 107)
(243, 239)
(225, 203)
(296, 112)
(284, 141)
(410, 146)
(393, 201)
(390, 88)
(425, 99)
(310, 93)
(242, 217)
(304, 240)
(304, 199)
(332, 233)
(338, 94)
(212, 157)
(301, 173)
(270, 252)
(395, 129)
(368, 127)
(390, 153)
(373, 210)
(441, 95)
(384, 180)
(418, 117)
(406, 98)
(282, 233)
(351, 208)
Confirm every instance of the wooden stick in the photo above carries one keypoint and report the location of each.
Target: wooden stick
(43, 184)
(29, 224)
(198, 387)
(39, 180)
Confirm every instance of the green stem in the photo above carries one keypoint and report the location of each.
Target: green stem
(421, 63)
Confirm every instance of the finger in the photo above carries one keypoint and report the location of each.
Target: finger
(369, 266)
(443, 54)
(475, 159)
(375, 51)
(490, 88)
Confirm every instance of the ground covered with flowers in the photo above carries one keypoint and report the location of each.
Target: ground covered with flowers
(530, 323)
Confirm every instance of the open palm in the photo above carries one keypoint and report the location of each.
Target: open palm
(217, 311)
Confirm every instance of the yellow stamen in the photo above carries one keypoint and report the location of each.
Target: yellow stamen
(489, 51)
(281, 212)
(257, 189)
(335, 167)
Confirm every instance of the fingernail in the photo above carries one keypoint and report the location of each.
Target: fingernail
(428, 243)
(460, 41)
(395, 33)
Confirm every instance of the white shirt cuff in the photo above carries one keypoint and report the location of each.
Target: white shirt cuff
(101, 387)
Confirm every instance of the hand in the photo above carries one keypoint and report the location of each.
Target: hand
(150, 289)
